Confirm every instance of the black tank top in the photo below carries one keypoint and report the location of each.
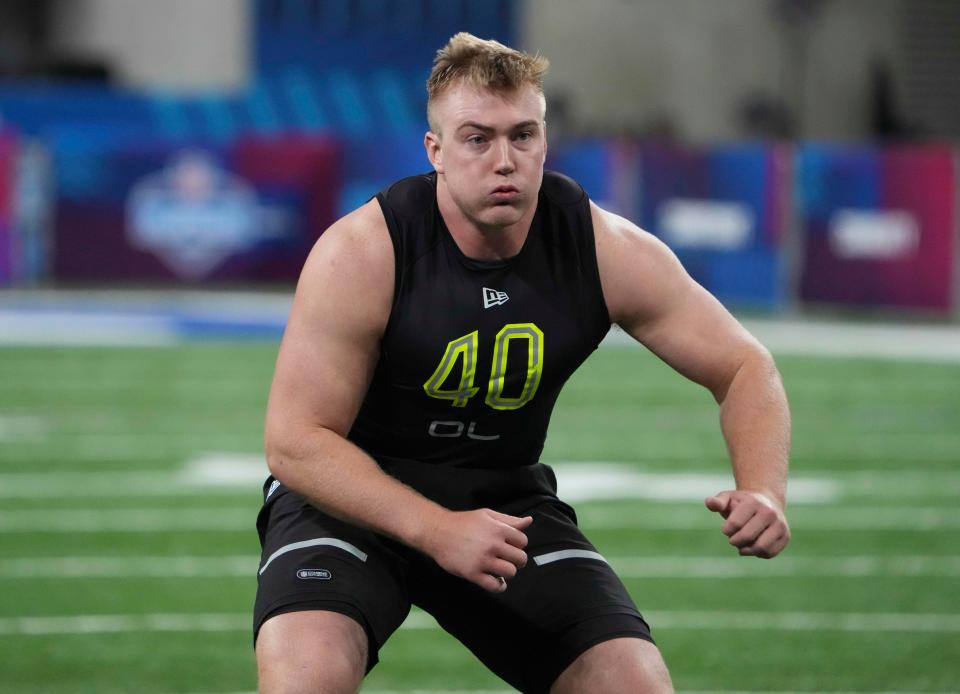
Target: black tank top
(475, 352)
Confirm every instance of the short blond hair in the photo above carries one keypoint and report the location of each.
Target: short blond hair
(483, 64)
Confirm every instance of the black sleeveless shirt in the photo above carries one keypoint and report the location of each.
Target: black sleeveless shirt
(475, 352)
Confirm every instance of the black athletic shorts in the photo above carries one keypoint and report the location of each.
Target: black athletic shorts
(565, 600)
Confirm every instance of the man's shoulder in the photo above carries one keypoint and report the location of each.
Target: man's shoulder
(562, 189)
(351, 264)
(358, 237)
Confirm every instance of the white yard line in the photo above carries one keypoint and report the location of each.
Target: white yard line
(712, 568)
(20, 327)
(29, 317)
(598, 480)
(228, 473)
(59, 485)
(686, 620)
(692, 516)
(857, 340)
(737, 567)
(901, 341)
(83, 457)
(806, 621)
(142, 520)
(851, 518)
(117, 624)
(23, 429)
(130, 567)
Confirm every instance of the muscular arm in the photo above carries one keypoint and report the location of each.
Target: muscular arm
(326, 361)
(651, 297)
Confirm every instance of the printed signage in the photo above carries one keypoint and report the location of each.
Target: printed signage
(193, 215)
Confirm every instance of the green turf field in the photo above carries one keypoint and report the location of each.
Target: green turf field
(124, 569)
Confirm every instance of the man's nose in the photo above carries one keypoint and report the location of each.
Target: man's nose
(504, 157)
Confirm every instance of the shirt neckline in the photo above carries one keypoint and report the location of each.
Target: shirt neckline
(476, 263)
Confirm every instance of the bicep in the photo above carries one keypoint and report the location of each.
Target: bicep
(321, 373)
(331, 343)
(698, 337)
(651, 296)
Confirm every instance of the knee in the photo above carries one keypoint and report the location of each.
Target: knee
(618, 665)
(315, 652)
(650, 668)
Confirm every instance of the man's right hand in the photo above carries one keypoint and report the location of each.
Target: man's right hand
(483, 546)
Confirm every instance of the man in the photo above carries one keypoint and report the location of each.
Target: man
(431, 332)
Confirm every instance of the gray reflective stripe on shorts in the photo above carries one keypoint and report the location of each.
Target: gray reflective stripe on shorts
(568, 554)
(329, 541)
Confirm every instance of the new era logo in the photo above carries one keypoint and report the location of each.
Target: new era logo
(491, 297)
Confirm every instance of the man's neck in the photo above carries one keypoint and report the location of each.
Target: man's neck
(482, 242)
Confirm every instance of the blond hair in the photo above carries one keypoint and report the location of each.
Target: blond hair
(482, 64)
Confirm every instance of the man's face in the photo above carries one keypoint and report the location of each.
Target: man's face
(489, 152)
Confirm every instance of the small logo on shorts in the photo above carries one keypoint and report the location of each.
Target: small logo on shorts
(314, 574)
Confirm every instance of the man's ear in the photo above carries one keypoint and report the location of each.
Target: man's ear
(545, 143)
(431, 143)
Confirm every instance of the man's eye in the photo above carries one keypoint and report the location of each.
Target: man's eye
(475, 139)
(525, 135)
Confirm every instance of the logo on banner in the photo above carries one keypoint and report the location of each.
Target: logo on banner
(192, 215)
(874, 234)
(706, 224)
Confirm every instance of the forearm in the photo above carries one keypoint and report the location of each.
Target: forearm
(482, 546)
(339, 478)
(755, 420)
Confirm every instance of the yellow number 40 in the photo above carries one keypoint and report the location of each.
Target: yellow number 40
(463, 351)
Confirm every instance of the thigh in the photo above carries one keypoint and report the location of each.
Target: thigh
(313, 562)
(564, 601)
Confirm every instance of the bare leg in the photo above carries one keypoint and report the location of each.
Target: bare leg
(315, 651)
(616, 666)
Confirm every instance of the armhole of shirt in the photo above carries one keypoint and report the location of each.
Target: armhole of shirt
(591, 270)
(405, 252)
(394, 231)
(564, 193)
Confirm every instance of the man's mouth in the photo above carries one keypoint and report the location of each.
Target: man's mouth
(505, 193)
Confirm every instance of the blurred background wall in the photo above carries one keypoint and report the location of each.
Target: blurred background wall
(175, 43)
(718, 70)
(794, 153)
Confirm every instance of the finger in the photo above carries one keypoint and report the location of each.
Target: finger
(781, 542)
(515, 556)
(750, 532)
(513, 521)
(739, 516)
(491, 583)
(778, 543)
(501, 567)
(516, 538)
(719, 503)
(767, 545)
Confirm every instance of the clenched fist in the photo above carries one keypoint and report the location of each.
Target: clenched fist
(755, 523)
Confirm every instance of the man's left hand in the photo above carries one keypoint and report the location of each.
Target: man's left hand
(755, 523)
